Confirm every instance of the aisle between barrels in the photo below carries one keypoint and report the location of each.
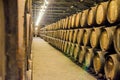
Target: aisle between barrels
(51, 64)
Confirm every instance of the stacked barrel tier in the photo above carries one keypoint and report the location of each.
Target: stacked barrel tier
(90, 37)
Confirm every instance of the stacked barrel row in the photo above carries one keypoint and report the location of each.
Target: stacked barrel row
(90, 37)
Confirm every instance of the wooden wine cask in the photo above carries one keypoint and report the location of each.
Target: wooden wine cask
(91, 16)
(71, 35)
(59, 33)
(99, 61)
(116, 39)
(94, 37)
(67, 35)
(76, 52)
(73, 20)
(72, 49)
(75, 35)
(69, 23)
(89, 57)
(62, 44)
(112, 67)
(60, 25)
(63, 24)
(106, 38)
(101, 17)
(57, 25)
(86, 37)
(64, 34)
(58, 44)
(68, 48)
(82, 54)
(66, 23)
(78, 17)
(84, 16)
(80, 35)
(65, 46)
(113, 11)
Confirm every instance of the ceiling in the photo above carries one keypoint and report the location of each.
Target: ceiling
(58, 9)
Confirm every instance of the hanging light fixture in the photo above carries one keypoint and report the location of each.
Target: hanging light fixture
(41, 12)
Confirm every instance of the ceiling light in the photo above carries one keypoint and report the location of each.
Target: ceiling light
(41, 12)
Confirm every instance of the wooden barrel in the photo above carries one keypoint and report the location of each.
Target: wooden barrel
(78, 17)
(73, 20)
(89, 58)
(101, 16)
(69, 22)
(113, 11)
(80, 35)
(67, 35)
(66, 23)
(72, 49)
(94, 37)
(99, 61)
(75, 35)
(83, 20)
(86, 37)
(68, 48)
(91, 16)
(106, 38)
(65, 46)
(116, 40)
(64, 34)
(60, 25)
(112, 67)
(71, 35)
(82, 54)
(76, 52)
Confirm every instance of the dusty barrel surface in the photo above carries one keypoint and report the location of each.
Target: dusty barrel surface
(106, 38)
(89, 57)
(83, 20)
(91, 16)
(82, 54)
(112, 67)
(101, 11)
(116, 40)
(94, 37)
(80, 35)
(76, 51)
(78, 17)
(75, 35)
(113, 11)
(99, 61)
(86, 37)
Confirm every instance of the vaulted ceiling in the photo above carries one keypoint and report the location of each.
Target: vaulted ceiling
(58, 9)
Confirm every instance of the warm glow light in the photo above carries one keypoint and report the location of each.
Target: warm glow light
(42, 11)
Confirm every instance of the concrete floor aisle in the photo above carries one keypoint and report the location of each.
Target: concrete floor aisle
(51, 64)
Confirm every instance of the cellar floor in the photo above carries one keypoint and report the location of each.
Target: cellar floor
(51, 64)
